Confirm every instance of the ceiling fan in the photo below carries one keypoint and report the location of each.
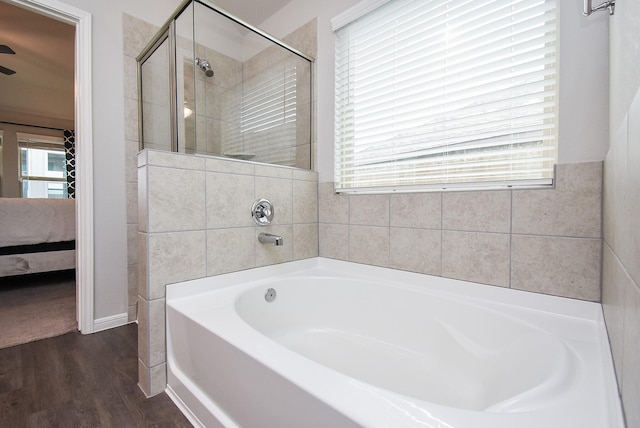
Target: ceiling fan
(4, 49)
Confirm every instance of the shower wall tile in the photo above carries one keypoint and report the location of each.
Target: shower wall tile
(174, 160)
(417, 210)
(132, 244)
(279, 192)
(370, 210)
(132, 202)
(269, 254)
(175, 257)
(136, 34)
(482, 211)
(332, 208)
(301, 174)
(131, 124)
(305, 241)
(131, 149)
(369, 245)
(477, 257)
(614, 284)
(143, 260)
(152, 321)
(416, 250)
(228, 200)
(230, 250)
(229, 166)
(568, 267)
(130, 78)
(273, 171)
(333, 241)
(305, 202)
(184, 188)
(573, 208)
(305, 38)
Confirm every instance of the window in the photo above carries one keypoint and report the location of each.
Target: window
(42, 171)
(433, 95)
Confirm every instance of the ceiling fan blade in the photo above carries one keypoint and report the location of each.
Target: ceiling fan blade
(6, 49)
(7, 71)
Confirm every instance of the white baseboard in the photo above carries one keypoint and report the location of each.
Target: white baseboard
(110, 322)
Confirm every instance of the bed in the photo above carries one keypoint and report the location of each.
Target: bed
(36, 235)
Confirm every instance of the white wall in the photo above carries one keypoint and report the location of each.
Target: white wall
(584, 96)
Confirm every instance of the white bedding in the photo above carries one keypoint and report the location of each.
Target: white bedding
(34, 221)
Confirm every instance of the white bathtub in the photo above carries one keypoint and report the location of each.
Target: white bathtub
(346, 345)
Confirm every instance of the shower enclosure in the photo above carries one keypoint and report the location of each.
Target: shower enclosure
(212, 84)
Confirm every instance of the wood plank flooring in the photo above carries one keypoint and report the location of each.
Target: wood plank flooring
(79, 380)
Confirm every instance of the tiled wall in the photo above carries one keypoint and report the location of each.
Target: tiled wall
(195, 222)
(136, 35)
(621, 248)
(546, 241)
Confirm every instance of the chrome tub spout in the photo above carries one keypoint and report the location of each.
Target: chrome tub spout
(267, 238)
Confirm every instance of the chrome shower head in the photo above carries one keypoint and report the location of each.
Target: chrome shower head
(205, 66)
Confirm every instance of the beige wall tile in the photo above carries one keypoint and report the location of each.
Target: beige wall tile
(417, 210)
(305, 202)
(369, 245)
(175, 257)
(143, 197)
(333, 241)
(132, 283)
(369, 210)
(157, 337)
(230, 250)
(130, 78)
(132, 202)
(573, 208)
(137, 33)
(613, 296)
(269, 254)
(477, 257)
(175, 160)
(332, 208)
(614, 181)
(305, 241)
(229, 200)
(480, 211)
(631, 356)
(279, 192)
(158, 379)
(416, 250)
(230, 166)
(272, 171)
(132, 244)
(176, 199)
(568, 267)
(143, 331)
(131, 122)
(143, 255)
(131, 149)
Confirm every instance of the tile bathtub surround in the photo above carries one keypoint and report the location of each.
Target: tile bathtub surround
(542, 240)
(201, 226)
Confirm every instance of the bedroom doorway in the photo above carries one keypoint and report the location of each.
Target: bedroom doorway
(81, 21)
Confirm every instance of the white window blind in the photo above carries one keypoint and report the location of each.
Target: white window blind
(442, 94)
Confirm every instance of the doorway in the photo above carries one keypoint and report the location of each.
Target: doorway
(84, 274)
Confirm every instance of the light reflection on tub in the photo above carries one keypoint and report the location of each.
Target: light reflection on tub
(349, 345)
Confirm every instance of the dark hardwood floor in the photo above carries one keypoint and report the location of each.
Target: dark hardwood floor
(80, 381)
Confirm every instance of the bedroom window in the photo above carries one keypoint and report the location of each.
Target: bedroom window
(453, 95)
(42, 172)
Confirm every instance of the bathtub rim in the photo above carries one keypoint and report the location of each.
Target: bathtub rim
(468, 291)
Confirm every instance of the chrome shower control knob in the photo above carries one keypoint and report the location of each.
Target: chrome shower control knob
(262, 212)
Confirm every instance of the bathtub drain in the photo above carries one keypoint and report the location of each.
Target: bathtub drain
(270, 295)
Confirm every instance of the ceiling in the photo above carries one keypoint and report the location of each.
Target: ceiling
(43, 85)
(44, 64)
